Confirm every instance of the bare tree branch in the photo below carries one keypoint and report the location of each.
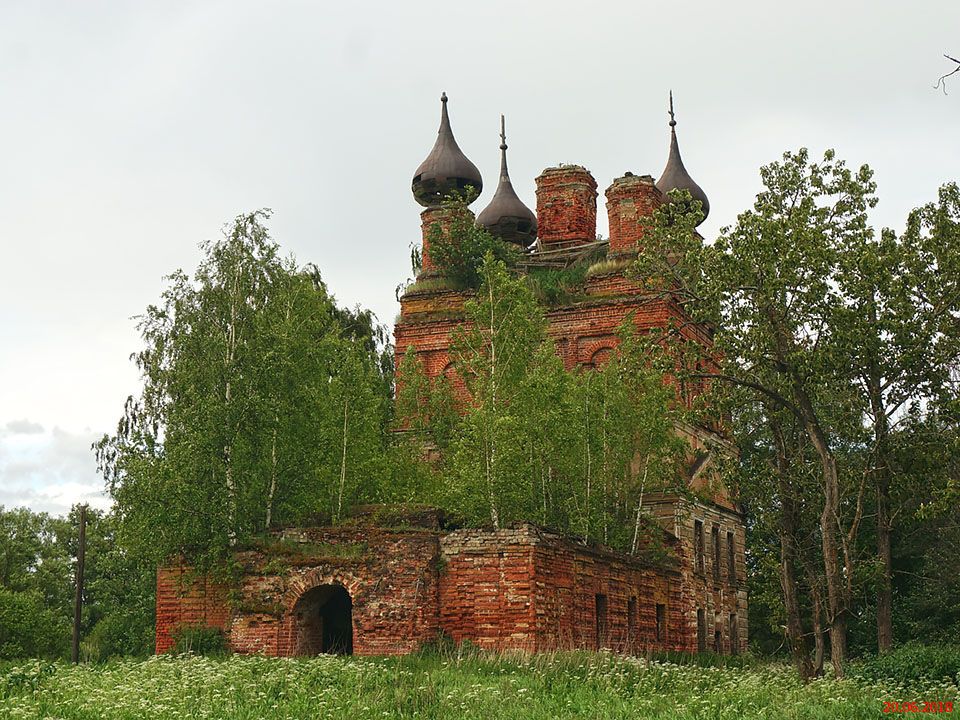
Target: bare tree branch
(942, 82)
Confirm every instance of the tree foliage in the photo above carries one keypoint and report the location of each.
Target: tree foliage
(832, 337)
(262, 403)
(458, 250)
(37, 575)
(533, 441)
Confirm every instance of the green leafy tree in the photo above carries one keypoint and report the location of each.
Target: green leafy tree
(263, 403)
(831, 330)
(769, 287)
(459, 251)
(493, 353)
(895, 333)
(532, 441)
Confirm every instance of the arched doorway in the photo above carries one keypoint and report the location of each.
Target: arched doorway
(323, 621)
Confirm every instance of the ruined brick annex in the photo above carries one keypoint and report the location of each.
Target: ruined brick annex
(393, 579)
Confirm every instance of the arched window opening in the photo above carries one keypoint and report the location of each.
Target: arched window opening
(323, 618)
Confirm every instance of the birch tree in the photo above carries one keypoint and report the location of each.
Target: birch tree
(262, 402)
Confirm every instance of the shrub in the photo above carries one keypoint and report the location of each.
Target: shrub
(119, 634)
(557, 286)
(28, 628)
(200, 640)
(459, 255)
(910, 663)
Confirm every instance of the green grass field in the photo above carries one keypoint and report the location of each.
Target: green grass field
(566, 685)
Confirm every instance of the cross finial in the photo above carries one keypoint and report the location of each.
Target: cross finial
(673, 121)
(503, 134)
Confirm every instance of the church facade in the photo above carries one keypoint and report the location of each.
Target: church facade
(383, 585)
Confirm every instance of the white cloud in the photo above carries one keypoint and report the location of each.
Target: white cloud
(48, 471)
(23, 427)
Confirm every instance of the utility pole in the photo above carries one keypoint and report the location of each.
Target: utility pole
(78, 600)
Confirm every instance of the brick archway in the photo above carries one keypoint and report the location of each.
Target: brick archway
(319, 613)
(315, 578)
(322, 621)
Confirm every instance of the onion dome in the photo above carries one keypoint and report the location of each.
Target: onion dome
(446, 170)
(675, 175)
(506, 216)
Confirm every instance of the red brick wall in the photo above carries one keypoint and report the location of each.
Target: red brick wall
(486, 588)
(631, 200)
(392, 584)
(426, 324)
(428, 218)
(528, 589)
(582, 330)
(185, 598)
(566, 206)
(570, 578)
(520, 588)
(716, 593)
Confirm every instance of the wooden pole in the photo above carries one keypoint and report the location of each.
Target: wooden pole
(78, 599)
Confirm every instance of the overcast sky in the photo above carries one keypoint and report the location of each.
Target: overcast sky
(132, 131)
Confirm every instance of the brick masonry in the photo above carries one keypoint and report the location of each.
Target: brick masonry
(529, 589)
(631, 200)
(185, 599)
(566, 206)
(522, 588)
(585, 334)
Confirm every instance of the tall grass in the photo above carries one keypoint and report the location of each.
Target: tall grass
(449, 683)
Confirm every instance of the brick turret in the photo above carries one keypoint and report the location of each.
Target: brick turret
(445, 217)
(631, 200)
(566, 206)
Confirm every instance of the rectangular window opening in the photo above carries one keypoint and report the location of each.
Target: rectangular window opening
(715, 536)
(734, 635)
(601, 621)
(661, 627)
(731, 560)
(698, 545)
(701, 631)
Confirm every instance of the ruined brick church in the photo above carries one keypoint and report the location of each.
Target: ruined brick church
(395, 579)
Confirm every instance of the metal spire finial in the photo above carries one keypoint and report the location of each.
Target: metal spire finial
(506, 216)
(673, 122)
(503, 149)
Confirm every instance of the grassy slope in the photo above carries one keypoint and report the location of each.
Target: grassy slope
(569, 685)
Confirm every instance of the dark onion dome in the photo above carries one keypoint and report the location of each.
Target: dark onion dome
(675, 175)
(506, 216)
(446, 170)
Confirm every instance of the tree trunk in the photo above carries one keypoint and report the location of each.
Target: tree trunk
(884, 552)
(343, 460)
(636, 527)
(837, 596)
(882, 471)
(829, 521)
(837, 611)
(818, 641)
(586, 440)
(273, 474)
(789, 514)
(799, 647)
(814, 581)
(490, 454)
